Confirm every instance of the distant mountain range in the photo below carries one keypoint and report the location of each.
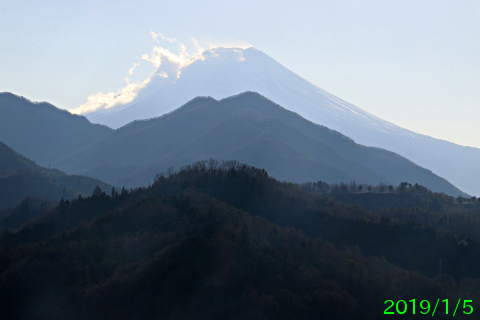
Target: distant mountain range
(221, 73)
(21, 177)
(248, 128)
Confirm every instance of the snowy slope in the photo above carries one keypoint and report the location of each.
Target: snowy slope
(226, 72)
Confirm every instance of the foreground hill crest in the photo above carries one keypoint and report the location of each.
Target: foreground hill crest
(225, 241)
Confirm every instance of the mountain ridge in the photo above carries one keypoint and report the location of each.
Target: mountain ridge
(225, 72)
(43, 132)
(249, 128)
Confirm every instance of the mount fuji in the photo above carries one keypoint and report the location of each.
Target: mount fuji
(223, 72)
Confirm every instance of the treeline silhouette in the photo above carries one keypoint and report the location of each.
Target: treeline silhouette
(385, 196)
(225, 241)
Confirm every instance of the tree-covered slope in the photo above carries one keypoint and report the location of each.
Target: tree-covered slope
(225, 241)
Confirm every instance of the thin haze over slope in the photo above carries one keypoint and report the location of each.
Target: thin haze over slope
(222, 72)
(43, 132)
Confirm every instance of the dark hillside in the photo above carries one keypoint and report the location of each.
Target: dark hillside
(216, 241)
(410, 236)
(21, 178)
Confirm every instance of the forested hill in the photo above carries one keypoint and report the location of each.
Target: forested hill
(21, 177)
(226, 241)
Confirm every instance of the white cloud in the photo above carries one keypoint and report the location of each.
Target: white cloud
(130, 71)
(109, 100)
(161, 36)
(167, 63)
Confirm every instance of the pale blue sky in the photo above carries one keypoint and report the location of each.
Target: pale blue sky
(414, 63)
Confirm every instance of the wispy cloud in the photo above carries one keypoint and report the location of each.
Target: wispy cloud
(108, 100)
(167, 65)
(161, 36)
(130, 71)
